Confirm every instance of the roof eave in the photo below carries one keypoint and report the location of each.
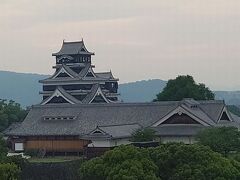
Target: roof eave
(84, 53)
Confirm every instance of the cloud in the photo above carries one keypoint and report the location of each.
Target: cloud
(137, 39)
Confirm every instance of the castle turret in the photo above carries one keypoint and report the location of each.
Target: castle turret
(75, 81)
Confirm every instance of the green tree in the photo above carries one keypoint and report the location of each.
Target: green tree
(10, 112)
(9, 171)
(220, 139)
(122, 163)
(178, 161)
(175, 161)
(143, 135)
(3, 148)
(184, 87)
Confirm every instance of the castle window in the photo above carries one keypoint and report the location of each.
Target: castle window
(59, 118)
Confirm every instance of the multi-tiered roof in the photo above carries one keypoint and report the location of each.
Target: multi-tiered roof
(74, 80)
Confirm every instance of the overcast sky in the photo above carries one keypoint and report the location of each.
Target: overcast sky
(136, 39)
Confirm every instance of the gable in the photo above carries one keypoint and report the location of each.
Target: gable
(180, 119)
(62, 74)
(181, 115)
(98, 99)
(97, 132)
(83, 50)
(89, 74)
(225, 117)
(58, 99)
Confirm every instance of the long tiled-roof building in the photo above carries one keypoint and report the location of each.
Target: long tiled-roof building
(79, 110)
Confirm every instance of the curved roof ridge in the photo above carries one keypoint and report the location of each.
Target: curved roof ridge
(66, 42)
(84, 71)
(70, 71)
(107, 75)
(175, 103)
(64, 94)
(211, 101)
(95, 88)
(66, 68)
(71, 48)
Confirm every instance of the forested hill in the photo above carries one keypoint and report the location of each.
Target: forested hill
(24, 89)
(141, 91)
(20, 87)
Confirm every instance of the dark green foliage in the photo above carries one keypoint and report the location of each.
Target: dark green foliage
(184, 87)
(51, 171)
(234, 109)
(18, 160)
(235, 156)
(195, 162)
(143, 135)
(9, 171)
(122, 163)
(222, 139)
(10, 112)
(167, 162)
(10, 167)
(3, 148)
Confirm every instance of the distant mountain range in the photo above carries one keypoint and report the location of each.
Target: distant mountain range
(24, 89)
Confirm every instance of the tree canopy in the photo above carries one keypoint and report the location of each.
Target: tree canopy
(173, 161)
(122, 163)
(220, 139)
(10, 112)
(9, 171)
(184, 87)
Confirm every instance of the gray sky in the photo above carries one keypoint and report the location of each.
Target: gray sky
(136, 39)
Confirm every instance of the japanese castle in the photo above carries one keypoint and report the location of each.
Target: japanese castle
(74, 80)
(80, 110)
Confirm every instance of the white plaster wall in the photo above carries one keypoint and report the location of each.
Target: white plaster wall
(184, 139)
(99, 143)
(118, 142)
(109, 143)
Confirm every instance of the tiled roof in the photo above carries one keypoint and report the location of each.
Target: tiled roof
(92, 94)
(84, 71)
(113, 131)
(109, 116)
(106, 75)
(64, 93)
(70, 48)
(120, 131)
(79, 77)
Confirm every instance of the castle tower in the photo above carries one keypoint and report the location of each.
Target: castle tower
(74, 80)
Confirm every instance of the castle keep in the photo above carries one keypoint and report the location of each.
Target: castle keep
(75, 81)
